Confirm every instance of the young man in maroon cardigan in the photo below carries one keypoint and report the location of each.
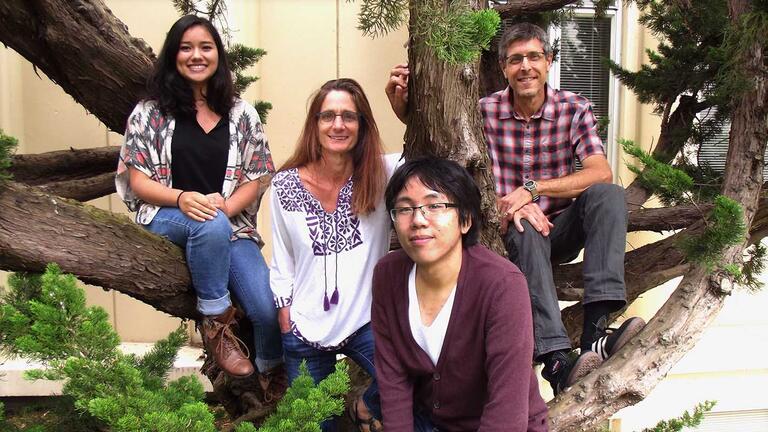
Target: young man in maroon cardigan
(451, 319)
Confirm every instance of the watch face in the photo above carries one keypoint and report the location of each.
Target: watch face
(530, 184)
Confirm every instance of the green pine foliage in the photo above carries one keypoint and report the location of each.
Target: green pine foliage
(687, 420)
(45, 318)
(7, 149)
(669, 183)
(753, 268)
(241, 57)
(725, 227)
(688, 63)
(724, 223)
(263, 107)
(456, 33)
(379, 17)
(689, 54)
(305, 404)
(738, 44)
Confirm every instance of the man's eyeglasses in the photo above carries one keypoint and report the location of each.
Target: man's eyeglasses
(348, 117)
(517, 59)
(427, 210)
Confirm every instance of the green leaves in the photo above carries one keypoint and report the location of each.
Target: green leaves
(725, 227)
(686, 420)
(7, 148)
(379, 17)
(457, 33)
(45, 318)
(305, 404)
(724, 223)
(669, 183)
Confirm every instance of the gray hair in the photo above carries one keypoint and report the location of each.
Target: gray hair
(523, 31)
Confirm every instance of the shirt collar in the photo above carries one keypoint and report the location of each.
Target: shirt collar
(547, 111)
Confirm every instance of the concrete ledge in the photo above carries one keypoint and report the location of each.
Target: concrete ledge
(12, 382)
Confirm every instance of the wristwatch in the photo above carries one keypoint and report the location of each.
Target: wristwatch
(530, 186)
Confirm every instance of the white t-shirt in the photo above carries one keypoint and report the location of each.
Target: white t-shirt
(430, 338)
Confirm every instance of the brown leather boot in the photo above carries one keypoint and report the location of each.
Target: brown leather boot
(225, 347)
(274, 383)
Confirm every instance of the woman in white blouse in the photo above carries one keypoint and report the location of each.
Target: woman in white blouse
(330, 227)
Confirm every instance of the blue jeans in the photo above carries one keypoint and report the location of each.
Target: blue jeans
(219, 265)
(322, 363)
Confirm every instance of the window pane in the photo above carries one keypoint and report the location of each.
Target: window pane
(585, 42)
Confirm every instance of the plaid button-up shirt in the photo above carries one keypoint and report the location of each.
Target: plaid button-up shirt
(544, 147)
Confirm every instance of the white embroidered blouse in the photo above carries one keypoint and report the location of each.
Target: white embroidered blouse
(322, 263)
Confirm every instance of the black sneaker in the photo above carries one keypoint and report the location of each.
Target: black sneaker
(608, 341)
(565, 369)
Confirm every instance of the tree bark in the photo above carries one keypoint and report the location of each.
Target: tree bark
(63, 165)
(99, 247)
(52, 34)
(516, 8)
(77, 174)
(449, 127)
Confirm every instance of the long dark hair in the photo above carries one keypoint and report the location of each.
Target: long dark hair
(369, 175)
(172, 92)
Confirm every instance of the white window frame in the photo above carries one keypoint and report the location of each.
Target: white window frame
(615, 14)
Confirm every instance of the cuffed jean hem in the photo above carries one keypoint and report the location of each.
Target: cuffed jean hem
(214, 307)
(617, 296)
(267, 365)
(542, 348)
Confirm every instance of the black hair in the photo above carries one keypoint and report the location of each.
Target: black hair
(172, 92)
(447, 177)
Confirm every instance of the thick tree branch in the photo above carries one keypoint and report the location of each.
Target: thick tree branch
(523, 7)
(109, 83)
(63, 165)
(82, 190)
(99, 247)
(666, 218)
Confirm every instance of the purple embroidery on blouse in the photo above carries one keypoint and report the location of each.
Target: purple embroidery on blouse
(330, 233)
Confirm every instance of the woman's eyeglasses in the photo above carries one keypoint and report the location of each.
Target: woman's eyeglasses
(348, 117)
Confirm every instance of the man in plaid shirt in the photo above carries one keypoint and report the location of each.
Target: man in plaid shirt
(534, 135)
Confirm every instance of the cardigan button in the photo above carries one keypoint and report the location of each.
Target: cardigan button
(436, 405)
(436, 376)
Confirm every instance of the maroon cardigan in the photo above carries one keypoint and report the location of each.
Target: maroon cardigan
(483, 380)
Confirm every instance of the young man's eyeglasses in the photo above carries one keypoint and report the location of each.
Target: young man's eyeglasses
(427, 210)
(517, 59)
(348, 117)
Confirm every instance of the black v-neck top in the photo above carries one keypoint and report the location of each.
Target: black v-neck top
(199, 160)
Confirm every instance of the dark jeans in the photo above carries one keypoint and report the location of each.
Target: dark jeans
(322, 363)
(596, 222)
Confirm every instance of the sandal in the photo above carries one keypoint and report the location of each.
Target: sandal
(373, 424)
